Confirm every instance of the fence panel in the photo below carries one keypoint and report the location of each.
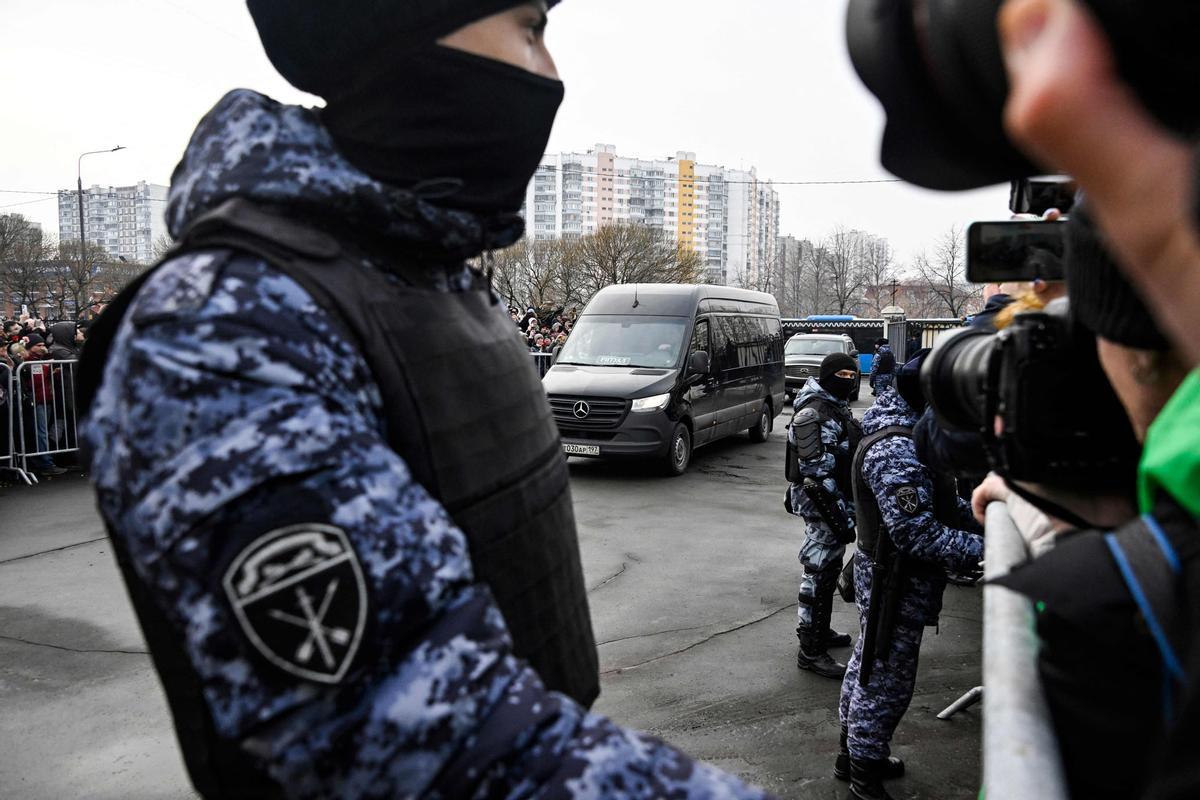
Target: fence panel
(46, 423)
(1020, 751)
(8, 413)
(543, 362)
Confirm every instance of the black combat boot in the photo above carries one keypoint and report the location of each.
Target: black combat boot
(812, 654)
(893, 767)
(835, 639)
(866, 780)
(813, 657)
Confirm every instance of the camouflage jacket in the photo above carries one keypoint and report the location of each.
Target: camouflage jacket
(903, 488)
(232, 404)
(835, 440)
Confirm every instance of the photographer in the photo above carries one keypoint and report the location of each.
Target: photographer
(1069, 107)
(1101, 667)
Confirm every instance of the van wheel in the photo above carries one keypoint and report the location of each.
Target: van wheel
(679, 455)
(762, 428)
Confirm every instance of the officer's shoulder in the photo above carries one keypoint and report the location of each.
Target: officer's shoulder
(889, 448)
(221, 280)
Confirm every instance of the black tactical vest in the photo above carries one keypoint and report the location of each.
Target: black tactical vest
(843, 472)
(869, 520)
(464, 409)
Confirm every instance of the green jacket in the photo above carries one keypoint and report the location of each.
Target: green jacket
(1171, 459)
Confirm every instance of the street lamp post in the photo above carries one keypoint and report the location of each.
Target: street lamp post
(79, 185)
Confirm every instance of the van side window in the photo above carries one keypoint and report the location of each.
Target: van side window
(725, 341)
(700, 338)
(774, 341)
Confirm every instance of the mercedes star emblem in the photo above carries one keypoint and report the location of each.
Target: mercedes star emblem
(581, 410)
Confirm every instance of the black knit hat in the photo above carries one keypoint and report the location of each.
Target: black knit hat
(318, 45)
(1101, 299)
(836, 362)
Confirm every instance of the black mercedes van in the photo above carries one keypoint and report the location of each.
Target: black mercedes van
(657, 370)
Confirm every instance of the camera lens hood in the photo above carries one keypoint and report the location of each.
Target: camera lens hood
(942, 87)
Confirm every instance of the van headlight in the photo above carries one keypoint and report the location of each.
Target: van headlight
(656, 403)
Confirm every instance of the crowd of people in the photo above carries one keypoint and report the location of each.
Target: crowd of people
(47, 390)
(545, 328)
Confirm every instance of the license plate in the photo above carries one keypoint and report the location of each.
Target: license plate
(581, 449)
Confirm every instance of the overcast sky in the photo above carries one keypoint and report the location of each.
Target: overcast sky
(763, 83)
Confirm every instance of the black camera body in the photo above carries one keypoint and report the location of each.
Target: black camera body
(1037, 395)
(937, 69)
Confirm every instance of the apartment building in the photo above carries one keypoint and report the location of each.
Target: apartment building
(124, 220)
(729, 217)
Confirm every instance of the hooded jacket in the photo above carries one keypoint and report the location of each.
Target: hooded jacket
(63, 348)
(232, 402)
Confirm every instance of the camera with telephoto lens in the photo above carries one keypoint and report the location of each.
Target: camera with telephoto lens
(1037, 395)
(937, 69)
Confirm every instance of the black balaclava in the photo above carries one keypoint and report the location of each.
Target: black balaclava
(407, 111)
(908, 382)
(1100, 297)
(841, 388)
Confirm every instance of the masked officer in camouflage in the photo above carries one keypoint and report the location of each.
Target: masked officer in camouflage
(910, 531)
(883, 367)
(352, 584)
(822, 439)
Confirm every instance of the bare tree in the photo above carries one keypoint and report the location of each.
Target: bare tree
(161, 246)
(634, 254)
(789, 285)
(570, 277)
(817, 266)
(24, 260)
(846, 277)
(72, 276)
(879, 272)
(943, 274)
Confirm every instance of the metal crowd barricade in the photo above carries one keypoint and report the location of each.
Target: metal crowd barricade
(1020, 750)
(44, 411)
(8, 425)
(543, 362)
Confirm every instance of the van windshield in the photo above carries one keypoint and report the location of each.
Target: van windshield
(602, 340)
(812, 347)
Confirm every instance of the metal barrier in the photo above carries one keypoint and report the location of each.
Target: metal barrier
(1020, 750)
(43, 407)
(543, 362)
(8, 427)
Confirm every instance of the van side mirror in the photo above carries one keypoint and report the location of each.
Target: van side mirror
(555, 353)
(699, 364)
(854, 354)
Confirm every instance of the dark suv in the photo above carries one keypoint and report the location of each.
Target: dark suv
(804, 353)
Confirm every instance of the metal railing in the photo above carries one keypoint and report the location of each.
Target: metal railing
(1020, 750)
(40, 416)
(8, 428)
(543, 362)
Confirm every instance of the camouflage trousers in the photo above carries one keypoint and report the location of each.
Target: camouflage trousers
(883, 382)
(872, 712)
(821, 554)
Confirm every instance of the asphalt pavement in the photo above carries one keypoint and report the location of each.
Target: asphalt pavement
(692, 582)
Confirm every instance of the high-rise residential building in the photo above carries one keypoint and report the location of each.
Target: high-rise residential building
(124, 220)
(729, 217)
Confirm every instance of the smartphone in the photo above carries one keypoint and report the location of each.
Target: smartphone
(1021, 250)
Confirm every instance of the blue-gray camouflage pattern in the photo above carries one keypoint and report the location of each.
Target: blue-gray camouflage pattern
(891, 466)
(821, 553)
(871, 713)
(881, 381)
(892, 471)
(230, 406)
